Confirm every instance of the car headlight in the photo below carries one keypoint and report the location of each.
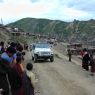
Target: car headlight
(51, 52)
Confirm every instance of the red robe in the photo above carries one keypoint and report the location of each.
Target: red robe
(19, 91)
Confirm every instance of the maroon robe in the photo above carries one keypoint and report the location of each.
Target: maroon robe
(19, 91)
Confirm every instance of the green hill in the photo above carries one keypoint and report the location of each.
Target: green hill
(75, 31)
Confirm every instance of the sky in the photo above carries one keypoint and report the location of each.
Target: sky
(65, 10)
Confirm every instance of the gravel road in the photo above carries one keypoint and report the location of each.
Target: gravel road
(62, 77)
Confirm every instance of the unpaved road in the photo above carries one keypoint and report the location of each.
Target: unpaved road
(62, 77)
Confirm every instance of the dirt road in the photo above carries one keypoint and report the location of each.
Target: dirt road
(62, 77)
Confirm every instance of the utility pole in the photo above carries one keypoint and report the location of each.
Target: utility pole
(1, 21)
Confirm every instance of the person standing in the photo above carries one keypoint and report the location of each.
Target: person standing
(20, 70)
(30, 80)
(9, 54)
(69, 54)
(5, 86)
(85, 60)
(92, 65)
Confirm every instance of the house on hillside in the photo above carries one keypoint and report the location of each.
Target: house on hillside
(75, 48)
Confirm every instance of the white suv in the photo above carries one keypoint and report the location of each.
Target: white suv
(42, 51)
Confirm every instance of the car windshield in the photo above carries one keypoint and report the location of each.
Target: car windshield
(42, 45)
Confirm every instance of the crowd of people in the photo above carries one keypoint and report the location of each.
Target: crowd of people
(88, 60)
(15, 79)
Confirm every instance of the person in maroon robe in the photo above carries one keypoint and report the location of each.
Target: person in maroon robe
(92, 64)
(85, 60)
(19, 70)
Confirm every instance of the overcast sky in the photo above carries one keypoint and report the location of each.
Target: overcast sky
(65, 10)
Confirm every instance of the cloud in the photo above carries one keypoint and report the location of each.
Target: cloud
(1, 1)
(34, 1)
(84, 5)
(55, 9)
(26, 8)
(71, 14)
(76, 9)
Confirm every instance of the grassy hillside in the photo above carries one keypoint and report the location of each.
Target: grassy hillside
(65, 31)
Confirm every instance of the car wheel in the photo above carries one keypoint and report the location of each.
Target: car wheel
(51, 59)
(45, 59)
(32, 58)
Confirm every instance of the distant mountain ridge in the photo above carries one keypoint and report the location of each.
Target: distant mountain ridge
(75, 31)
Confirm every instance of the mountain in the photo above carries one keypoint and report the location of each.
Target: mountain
(75, 31)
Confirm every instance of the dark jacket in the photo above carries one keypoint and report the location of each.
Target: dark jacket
(9, 79)
(4, 79)
(86, 58)
(28, 88)
(20, 90)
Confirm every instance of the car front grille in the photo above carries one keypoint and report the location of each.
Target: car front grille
(45, 53)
